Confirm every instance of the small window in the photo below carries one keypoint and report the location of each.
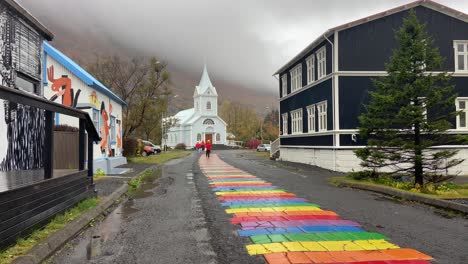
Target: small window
(461, 106)
(321, 63)
(310, 69)
(461, 55)
(112, 129)
(26, 84)
(208, 105)
(208, 122)
(296, 121)
(284, 85)
(96, 118)
(311, 118)
(284, 118)
(218, 137)
(322, 116)
(198, 137)
(296, 78)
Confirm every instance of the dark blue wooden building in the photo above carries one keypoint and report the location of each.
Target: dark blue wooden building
(323, 88)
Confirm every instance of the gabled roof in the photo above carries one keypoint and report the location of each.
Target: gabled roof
(35, 23)
(184, 115)
(205, 83)
(426, 3)
(80, 72)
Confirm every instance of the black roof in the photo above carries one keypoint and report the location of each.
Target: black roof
(35, 23)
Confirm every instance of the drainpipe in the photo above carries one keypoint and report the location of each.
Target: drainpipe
(333, 89)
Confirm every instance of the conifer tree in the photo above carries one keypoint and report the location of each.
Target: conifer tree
(410, 111)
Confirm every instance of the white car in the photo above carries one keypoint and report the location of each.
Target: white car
(263, 147)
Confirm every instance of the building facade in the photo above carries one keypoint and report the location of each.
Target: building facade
(200, 123)
(65, 82)
(324, 87)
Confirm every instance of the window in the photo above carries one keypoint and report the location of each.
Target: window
(218, 137)
(57, 119)
(296, 121)
(461, 55)
(196, 106)
(26, 84)
(28, 42)
(284, 85)
(96, 118)
(208, 105)
(322, 116)
(208, 122)
(311, 118)
(112, 129)
(461, 105)
(310, 69)
(321, 63)
(284, 117)
(198, 137)
(296, 78)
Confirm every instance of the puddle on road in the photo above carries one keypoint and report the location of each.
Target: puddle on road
(147, 183)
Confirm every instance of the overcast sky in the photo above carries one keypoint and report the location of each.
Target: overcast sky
(242, 41)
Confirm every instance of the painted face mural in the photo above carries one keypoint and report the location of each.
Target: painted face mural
(62, 88)
(105, 129)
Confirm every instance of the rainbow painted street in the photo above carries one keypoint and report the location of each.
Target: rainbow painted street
(287, 229)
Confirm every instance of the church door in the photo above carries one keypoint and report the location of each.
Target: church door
(209, 137)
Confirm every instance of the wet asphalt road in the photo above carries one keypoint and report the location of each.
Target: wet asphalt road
(178, 219)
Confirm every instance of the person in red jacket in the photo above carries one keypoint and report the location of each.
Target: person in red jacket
(208, 148)
(198, 147)
(202, 145)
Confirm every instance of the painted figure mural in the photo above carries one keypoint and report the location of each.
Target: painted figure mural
(63, 88)
(105, 131)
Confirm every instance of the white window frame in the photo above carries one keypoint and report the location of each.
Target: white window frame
(284, 85)
(296, 122)
(284, 118)
(311, 118)
(296, 78)
(322, 116)
(463, 53)
(310, 69)
(464, 112)
(321, 55)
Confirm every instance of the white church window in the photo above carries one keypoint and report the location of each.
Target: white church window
(218, 137)
(208, 105)
(198, 137)
(208, 122)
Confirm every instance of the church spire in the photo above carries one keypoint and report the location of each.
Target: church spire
(205, 81)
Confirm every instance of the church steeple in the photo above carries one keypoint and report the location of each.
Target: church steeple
(205, 81)
(205, 98)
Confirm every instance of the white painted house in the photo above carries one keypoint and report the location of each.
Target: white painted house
(200, 122)
(67, 83)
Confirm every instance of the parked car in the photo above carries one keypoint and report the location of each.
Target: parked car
(148, 148)
(263, 147)
(157, 149)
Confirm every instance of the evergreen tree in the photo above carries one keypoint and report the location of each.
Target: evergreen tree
(410, 111)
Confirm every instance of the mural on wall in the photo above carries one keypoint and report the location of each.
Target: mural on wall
(63, 88)
(105, 130)
(93, 99)
(25, 135)
(22, 127)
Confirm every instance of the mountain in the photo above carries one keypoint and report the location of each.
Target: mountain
(84, 45)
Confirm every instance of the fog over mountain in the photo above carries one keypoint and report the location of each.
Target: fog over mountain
(243, 42)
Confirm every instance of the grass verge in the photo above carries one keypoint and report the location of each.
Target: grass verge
(461, 192)
(59, 221)
(160, 158)
(264, 154)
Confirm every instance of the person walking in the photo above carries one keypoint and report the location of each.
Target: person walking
(208, 148)
(202, 145)
(198, 147)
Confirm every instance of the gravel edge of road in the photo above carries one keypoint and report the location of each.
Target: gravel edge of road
(57, 240)
(407, 196)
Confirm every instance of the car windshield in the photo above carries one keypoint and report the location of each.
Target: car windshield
(267, 145)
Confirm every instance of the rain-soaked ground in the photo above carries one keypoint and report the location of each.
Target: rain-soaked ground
(162, 218)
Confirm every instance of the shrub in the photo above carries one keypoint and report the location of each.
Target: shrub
(253, 143)
(129, 147)
(362, 175)
(181, 146)
(139, 148)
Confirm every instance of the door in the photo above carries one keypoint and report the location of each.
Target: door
(209, 137)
